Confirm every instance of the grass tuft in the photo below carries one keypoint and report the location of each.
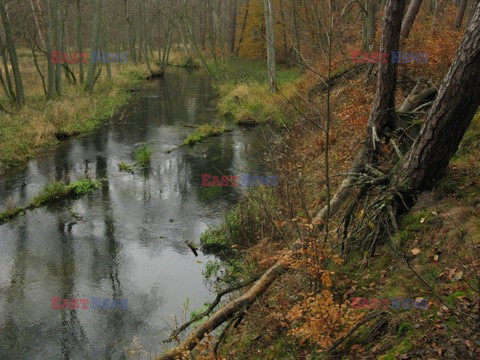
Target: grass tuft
(126, 167)
(143, 155)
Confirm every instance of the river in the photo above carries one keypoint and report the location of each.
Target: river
(126, 240)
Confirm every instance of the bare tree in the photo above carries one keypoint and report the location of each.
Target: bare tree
(97, 24)
(80, 40)
(270, 39)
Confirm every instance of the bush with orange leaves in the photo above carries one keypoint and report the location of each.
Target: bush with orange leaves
(316, 319)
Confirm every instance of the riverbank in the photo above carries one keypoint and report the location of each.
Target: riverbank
(309, 310)
(41, 123)
(244, 95)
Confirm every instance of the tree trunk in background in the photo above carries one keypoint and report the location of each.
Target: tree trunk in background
(104, 35)
(434, 13)
(454, 108)
(244, 24)
(97, 22)
(460, 14)
(80, 40)
(233, 27)
(49, 45)
(284, 30)
(57, 43)
(382, 117)
(369, 25)
(37, 23)
(131, 31)
(296, 32)
(412, 12)
(12, 52)
(145, 38)
(9, 91)
(270, 39)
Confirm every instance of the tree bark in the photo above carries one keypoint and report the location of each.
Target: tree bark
(270, 39)
(460, 14)
(412, 12)
(452, 111)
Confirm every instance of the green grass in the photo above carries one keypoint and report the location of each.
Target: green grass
(41, 122)
(237, 70)
(244, 94)
(203, 132)
(51, 192)
(143, 155)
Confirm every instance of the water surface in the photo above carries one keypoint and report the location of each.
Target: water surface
(128, 238)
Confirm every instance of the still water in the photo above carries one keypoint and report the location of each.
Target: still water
(126, 240)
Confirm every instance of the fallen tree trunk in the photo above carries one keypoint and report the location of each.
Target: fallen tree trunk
(416, 98)
(228, 311)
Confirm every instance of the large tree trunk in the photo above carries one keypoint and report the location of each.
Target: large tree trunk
(455, 105)
(270, 39)
(412, 12)
(382, 119)
(12, 52)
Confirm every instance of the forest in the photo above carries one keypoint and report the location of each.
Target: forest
(239, 179)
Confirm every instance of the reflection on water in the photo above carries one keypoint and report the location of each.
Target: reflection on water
(128, 240)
